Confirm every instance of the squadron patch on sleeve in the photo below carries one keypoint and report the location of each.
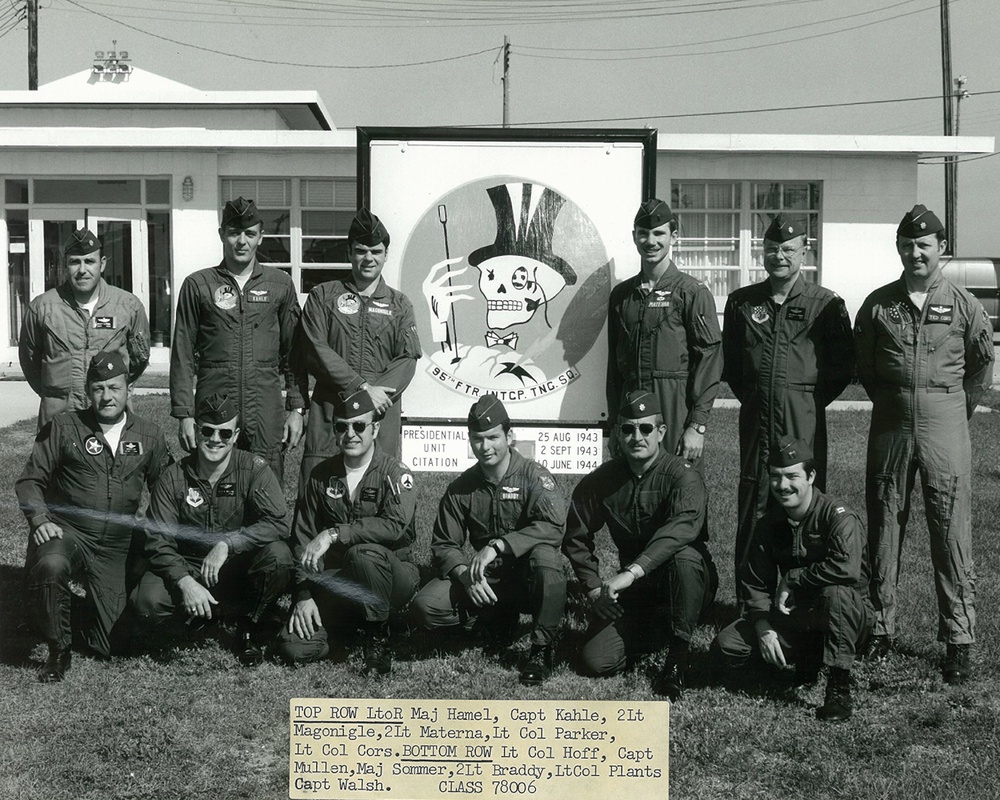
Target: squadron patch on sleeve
(406, 481)
(547, 483)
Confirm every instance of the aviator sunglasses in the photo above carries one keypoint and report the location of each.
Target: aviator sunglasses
(359, 427)
(224, 433)
(628, 428)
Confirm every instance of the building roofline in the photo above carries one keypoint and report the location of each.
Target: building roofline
(824, 143)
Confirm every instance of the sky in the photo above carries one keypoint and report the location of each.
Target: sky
(676, 65)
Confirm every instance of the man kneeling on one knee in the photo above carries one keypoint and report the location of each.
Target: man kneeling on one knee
(511, 513)
(654, 504)
(352, 539)
(806, 580)
(215, 534)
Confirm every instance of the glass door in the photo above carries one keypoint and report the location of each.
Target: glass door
(122, 235)
(49, 231)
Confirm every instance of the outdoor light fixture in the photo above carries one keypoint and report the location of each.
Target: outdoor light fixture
(187, 188)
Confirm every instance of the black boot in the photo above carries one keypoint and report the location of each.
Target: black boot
(56, 665)
(879, 647)
(956, 668)
(670, 681)
(838, 706)
(538, 667)
(376, 650)
(248, 650)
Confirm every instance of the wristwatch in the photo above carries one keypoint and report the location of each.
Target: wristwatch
(698, 427)
(495, 544)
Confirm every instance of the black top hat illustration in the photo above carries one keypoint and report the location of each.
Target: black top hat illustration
(529, 238)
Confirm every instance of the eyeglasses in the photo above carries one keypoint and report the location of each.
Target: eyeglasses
(628, 428)
(225, 434)
(788, 252)
(359, 427)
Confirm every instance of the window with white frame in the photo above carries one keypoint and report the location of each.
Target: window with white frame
(721, 228)
(305, 224)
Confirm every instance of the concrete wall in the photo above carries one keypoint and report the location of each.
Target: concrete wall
(244, 119)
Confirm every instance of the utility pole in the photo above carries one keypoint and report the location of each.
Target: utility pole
(506, 82)
(950, 162)
(33, 45)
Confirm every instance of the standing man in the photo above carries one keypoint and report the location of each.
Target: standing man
(359, 334)
(925, 357)
(67, 326)
(353, 535)
(80, 491)
(806, 582)
(654, 505)
(215, 534)
(663, 336)
(788, 354)
(233, 336)
(509, 510)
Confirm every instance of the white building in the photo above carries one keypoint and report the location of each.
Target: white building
(147, 164)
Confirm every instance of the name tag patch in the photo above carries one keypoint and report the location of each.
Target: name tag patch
(386, 312)
(257, 296)
(226, 490)
(104, 322)
(369, 494)
(940, 314)
(510, 492)
(797, 314)
(130, 449)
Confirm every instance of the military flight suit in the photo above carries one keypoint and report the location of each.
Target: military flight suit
(825, 560)
(239, 344)
(658, 522)
(73, 479)
(525, 510)
(785, 364)
(351, 339)
(187, 517)
(367, 572)
(58, 341)
(924, 370)
(668, 342)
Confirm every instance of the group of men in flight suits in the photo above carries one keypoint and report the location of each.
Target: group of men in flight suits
(219, 537)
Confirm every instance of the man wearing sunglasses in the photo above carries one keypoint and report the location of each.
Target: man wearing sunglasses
(233, 335)
(80, 491)
(806, 583)
(215, 535)
(352, 540)
(654, 505)
(511, 513)
(663, 336)
(789, 353)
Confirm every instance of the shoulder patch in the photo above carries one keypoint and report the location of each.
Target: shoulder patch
(840, 510)
(406, 481)
(547, 483)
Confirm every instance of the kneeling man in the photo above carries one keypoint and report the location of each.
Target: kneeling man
(510, 511)
(806, 580)
(215, 534)
(80, 490)
(352, 537)
(654, 505)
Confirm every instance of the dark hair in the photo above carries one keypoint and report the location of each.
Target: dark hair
(810, 465)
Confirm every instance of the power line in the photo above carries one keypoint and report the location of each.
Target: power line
(772, 109)
(756, 34)
(276, 62)
(937, 163)
(728, 50)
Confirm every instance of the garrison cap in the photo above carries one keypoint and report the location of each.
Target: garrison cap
(639, 404)
(487, 413)
(790, 452)
(81, 242)
(783, 228)
(652, 214)
(215, 409)
(105, 366)
(240, 212)
(367, 229)
(351, 405)
(919, 221)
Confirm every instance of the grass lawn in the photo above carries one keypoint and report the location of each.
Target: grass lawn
(186, 720)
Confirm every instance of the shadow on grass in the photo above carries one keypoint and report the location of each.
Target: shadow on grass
(16, 637)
